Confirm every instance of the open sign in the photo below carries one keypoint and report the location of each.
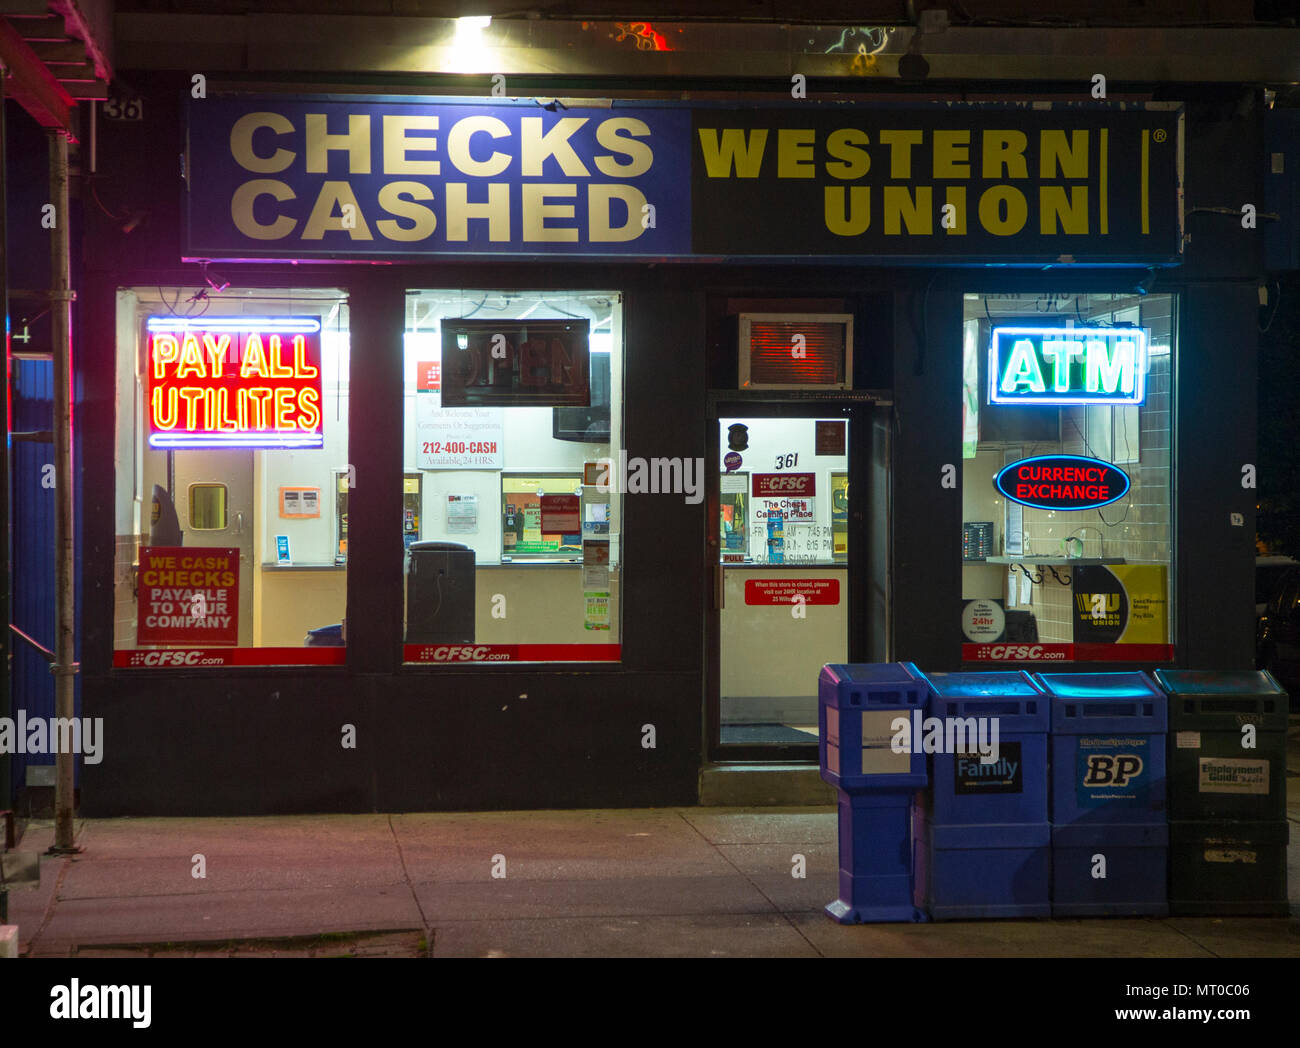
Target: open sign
(537, 363)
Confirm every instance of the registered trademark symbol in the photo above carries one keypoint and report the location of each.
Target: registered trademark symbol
(1161, 134)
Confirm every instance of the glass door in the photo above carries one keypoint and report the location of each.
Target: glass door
(781, 563)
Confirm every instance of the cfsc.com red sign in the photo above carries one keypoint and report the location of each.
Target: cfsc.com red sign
(1067, 652)
(512, 652)
(247, 382)
(1062, 482)
(784, 485)
(200, 658)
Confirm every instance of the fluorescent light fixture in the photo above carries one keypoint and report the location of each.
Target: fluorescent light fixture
(269, 325)
(467, 51)
(267, 439)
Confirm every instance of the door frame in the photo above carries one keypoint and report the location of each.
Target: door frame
(858, 407)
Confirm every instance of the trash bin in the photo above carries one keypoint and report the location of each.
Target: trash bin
(983, 839)
(1110, 835)
(857, 710)
(440, 598)
(325, 637)
(1228, 828)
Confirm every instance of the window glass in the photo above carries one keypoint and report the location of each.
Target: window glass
(208, 507)
(231, 439)
(1067, 485)
(511, 525)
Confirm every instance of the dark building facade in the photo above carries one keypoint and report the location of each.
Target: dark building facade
(529, 453)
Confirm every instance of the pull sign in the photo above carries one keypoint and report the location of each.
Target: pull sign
(1065, 482)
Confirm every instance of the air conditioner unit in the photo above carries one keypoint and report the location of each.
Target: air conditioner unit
(796, 351)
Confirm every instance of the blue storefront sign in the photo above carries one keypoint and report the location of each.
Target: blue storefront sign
(287, 177)
(321, 176)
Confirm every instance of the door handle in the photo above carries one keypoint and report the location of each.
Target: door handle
(719, 587)
(239, 523)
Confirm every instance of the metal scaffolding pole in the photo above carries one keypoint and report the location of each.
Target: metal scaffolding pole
(64, 667)
(6, 669)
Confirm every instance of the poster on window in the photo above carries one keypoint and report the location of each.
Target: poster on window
(188, 596)
(1121, 604)
(790, 496)
(457, 438)
(595, 584)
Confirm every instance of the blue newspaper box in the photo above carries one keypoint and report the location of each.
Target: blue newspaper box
(1110, 835)
(860, 711)
(983, 840)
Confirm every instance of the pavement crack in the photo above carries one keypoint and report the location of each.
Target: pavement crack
(772, 902)
(410, 885)
(48, 915)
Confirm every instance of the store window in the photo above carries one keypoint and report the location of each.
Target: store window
(232, 434)
(514, 406)
(1067, 481)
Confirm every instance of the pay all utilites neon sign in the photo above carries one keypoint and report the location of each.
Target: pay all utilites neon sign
(234, 382)
(1058, 365)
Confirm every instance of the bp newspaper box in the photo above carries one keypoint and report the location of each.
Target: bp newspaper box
(1110, 833)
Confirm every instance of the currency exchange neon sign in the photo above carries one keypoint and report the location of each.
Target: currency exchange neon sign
(1058, 365)
(234, 382)
(1062, 482)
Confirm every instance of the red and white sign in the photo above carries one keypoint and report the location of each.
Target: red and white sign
(428, 375)
(209, 658)
(188, 595)
(560, 515)
(784, 591)
(784, 485)
(234, 382)
(453, 653)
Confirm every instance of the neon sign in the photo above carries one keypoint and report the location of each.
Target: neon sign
(502, 363)
(1058, 365)
(234, 382)
(1064, 482)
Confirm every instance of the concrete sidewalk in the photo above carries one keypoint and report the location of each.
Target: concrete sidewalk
(651, 882)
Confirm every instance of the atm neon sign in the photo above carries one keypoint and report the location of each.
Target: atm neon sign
(1057, 365)
(234, 382)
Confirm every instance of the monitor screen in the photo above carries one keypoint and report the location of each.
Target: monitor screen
(589, 425)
